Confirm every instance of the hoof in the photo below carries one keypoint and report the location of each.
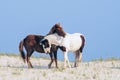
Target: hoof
(49, 66)
(57, 67)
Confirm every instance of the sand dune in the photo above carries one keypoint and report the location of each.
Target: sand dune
(13, 68)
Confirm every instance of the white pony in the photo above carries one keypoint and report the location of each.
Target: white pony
(67, 43)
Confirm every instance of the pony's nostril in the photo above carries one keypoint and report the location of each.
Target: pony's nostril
(48, 52)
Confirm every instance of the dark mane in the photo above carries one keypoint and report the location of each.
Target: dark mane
(57, 29)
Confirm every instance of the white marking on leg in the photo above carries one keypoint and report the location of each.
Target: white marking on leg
(64, 59)
(68, 62)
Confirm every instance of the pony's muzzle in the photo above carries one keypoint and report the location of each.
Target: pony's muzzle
(47, 50)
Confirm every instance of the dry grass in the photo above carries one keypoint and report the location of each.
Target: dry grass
(13, 68)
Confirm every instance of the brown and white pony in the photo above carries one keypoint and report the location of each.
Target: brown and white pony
(67, 43)
(31, 43)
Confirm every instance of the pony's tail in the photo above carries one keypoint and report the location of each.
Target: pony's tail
(83, 43)
(21, 44)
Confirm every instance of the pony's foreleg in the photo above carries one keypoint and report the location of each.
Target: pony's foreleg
(51, 56)
(66, 60)
(55, 56)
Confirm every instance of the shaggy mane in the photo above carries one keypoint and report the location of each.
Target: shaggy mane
(57, 29)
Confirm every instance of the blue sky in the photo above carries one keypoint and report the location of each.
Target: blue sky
(98, 20)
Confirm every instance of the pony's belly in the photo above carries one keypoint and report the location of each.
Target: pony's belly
(72, 46)
(72, 42)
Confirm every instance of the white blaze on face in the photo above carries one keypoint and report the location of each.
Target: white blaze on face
(53, 39)
(47, 49)
(46, 46)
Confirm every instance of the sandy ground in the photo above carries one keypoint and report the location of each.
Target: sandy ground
(13, 68)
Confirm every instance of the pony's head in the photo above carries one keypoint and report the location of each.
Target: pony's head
(46, 45)
(49, 40)
(57, 29)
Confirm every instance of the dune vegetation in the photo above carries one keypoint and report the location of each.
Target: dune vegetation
(13, 68)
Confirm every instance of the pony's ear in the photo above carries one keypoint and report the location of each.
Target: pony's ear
(58, 23)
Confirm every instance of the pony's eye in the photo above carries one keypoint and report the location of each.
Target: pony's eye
(40, 43)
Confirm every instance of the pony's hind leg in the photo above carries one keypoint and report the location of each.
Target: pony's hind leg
(80, 51)
(80, 57)
(76, 58)
(81, 48)
(29, 53)
(29, 63)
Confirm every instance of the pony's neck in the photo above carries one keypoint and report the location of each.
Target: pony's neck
(54, 39)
